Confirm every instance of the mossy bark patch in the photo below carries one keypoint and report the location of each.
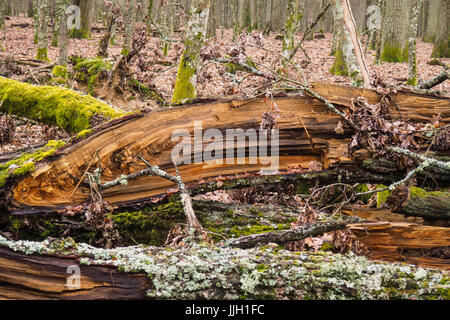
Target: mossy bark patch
(25, 164)
(67, 109)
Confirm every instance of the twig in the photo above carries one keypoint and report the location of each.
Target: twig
(308, 31)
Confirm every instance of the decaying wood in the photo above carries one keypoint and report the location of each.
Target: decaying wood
(406, 242)
(51, 186)
(441, 77)
(45, 277)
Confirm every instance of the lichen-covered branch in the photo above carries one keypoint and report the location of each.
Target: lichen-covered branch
(441, 77)
(285, 236)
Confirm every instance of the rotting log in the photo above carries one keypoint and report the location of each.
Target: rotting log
(52, 186)
(420, 203)
(427, 246)
(39, 270)
(397, 238)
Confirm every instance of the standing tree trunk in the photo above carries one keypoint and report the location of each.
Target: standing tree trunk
(213, 17)
(129, 25)
(107, 37)
(56, 13)
(86, 10)
(345, 61)
(291, 27)
(413, 24)
(42, 32)
(394, 33)
(63, 36)
(190, 61)
(430, 20)
(3, 19)
(442, 45)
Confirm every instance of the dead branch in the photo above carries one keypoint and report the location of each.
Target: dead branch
(441, 77)
(309, 29)
(282, 237)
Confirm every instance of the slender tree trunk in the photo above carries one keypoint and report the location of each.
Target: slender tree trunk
(442, 45)
(291, 27)
(59, 5)
(63, 36)
(345, 62)
(412, 61)
(107, 37)
(130, 26)
(3, 18)
(43, 30)
(185, 86)
(212, 23)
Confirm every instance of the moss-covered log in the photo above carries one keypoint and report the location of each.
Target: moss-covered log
(67, 109)
(418, 202)
(199, 271)
(52, 186)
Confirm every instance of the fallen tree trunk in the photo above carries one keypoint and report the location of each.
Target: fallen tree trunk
(420, 203)
(52, 185)
(39, 270)
(70, 110)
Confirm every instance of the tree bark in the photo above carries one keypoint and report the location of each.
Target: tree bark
(442, 44)
(43, 30)
(63, 37)
(413, 25)
(394, 33)
(185, 86)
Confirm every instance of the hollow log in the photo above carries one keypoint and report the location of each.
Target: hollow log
(52, 185)
(40, 270)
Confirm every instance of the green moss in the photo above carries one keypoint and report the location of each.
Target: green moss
(327, 246)
(416, 192)
(184, 87)
(125, 52)
(394, 54)
(363, 188)
(232, 67)
(79, 34)
(88, 70)
(25, 163)
(42, 55)
(84, 133)
(60, 72)
(137, 85)
(339, 67)
(255, 229)
(67, 109)
(441, 49)
(149, 227)
(382, 196)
